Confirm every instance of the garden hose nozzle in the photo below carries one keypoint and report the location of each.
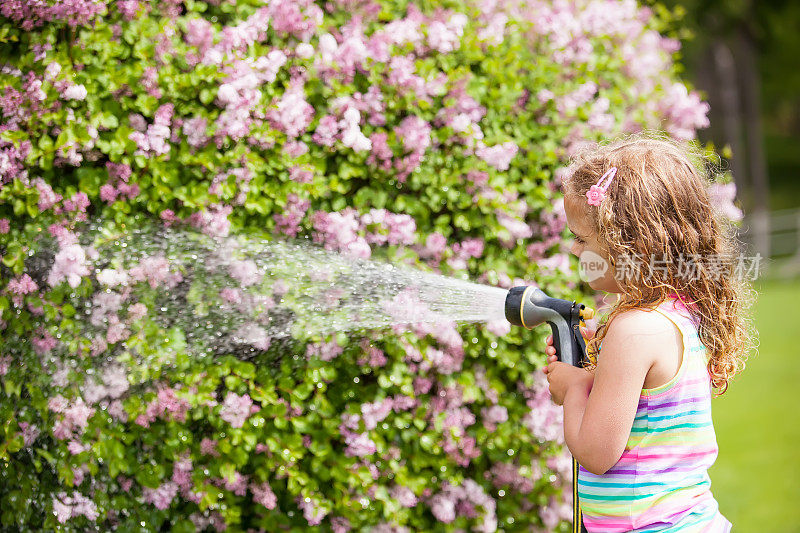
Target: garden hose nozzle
(529, 307)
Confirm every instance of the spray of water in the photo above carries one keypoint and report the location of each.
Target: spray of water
(243, 293)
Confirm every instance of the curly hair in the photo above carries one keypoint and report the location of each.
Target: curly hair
(658, 207)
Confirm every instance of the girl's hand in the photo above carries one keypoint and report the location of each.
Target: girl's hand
(562, 376)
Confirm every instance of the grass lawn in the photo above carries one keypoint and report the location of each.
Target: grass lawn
(756, 478)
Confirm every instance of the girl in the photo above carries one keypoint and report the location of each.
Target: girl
(638, 419)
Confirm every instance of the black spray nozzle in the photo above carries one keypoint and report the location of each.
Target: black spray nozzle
(530, 306)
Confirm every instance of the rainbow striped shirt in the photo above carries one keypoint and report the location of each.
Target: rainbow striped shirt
(661, 481)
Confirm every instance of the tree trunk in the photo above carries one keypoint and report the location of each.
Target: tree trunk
(731, 109)
(749, 82)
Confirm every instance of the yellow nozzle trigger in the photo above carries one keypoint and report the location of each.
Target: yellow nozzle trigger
(586, 313)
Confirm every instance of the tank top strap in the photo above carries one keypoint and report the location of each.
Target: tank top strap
(693, 362)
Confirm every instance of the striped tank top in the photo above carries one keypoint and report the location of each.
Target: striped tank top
(661, 482)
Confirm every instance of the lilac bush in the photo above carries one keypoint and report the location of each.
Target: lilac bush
(428, 134)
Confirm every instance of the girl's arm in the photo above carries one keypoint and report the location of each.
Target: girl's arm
(598, 419)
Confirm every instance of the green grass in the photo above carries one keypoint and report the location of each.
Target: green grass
(756, 478)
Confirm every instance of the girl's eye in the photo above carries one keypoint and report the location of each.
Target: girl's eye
(579, 240)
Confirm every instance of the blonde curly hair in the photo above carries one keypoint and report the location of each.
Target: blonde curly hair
(658, 206)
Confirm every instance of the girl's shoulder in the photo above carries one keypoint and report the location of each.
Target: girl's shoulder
(641, 320)
(652, 334)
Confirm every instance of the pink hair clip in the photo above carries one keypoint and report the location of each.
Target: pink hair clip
(597, 193)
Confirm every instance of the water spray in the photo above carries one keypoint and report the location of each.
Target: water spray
(529, 307)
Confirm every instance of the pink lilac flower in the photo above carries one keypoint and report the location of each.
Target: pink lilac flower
(443, 507)
(435, 245)
(236, 409)
(155, 270)
(161, 496)
(182, 474)
(149, 82)
(298, 18)
(115, 381)
(544, 420)
(358, 444)
(684, 111)
(498, 156)
(499, 327)
(288, 222)
(108, 193)
(165, 402)
(373, 413)
(508, 475)
(352, 136)
(128, 8)
(263, 495)
(293, 113)
(722, 198)
(326, 351)
(214, 221)
(403, 495)
(300, 175)
(389, 228)
(445, 37)
(117, 411)
(29, 431)
(380, 154)
(469, 247)
(311, 512)
(245, 272)
(43, 343)
(209, 447)
(237, 485)
(75, 419)
(70, 265)
(136, 312)
(338, 231)
(5, 226)
(47, 197)
(253, 334)
(75, 448)
(443, 361)
(517, 228)
(415, 134)
(493, 416)
(195, 131)
(78, 202)
(559, 261)
(66, 507)
(493, 33)
(75, 92)
(21, 286)
(326, 131)
(456, 500)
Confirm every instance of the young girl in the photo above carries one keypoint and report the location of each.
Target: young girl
(638, 420)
